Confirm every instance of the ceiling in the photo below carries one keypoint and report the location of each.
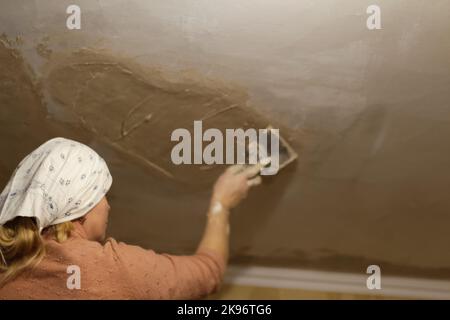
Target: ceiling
(367, 111)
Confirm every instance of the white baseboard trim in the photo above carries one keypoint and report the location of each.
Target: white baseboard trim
(353, 283)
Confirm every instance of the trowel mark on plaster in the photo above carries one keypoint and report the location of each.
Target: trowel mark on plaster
(82, 88)
(348, 154)
(143, 160)
(123, 131)
(216, 113)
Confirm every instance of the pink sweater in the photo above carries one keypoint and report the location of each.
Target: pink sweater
(116, 270)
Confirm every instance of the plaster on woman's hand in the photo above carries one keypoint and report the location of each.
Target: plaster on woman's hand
(233, 185)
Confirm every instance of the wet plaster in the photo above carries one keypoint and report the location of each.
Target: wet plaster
(367, 113)
(136, 110)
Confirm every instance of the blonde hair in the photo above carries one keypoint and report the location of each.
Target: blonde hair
(23, 247)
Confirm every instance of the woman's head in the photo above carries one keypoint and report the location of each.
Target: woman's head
(61, 181)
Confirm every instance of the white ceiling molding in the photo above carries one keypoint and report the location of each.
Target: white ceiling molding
(353, 283)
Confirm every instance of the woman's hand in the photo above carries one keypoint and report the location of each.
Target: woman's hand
(233, 185)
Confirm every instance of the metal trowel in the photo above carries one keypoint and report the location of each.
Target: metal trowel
(286, 153)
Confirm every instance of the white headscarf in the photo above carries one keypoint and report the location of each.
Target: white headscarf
(59, 181)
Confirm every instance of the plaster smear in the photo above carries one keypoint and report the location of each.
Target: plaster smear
(135, 110)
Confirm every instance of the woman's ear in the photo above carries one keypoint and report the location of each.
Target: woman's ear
(82, 219)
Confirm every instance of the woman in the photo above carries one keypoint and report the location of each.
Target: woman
(53, 219)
